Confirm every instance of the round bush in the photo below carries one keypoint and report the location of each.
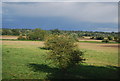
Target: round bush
(105, 40)
(64, 51)
(21, 38)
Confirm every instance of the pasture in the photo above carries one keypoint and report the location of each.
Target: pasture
(28, 60)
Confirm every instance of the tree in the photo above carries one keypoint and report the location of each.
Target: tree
(110, 38)
(92, 37)
(105, 40)
(117, 39)
(15, 32)
(64, 51)
(6, 32)
(37, 34)
(74, 36)
(56, 31)
(21, 37)
(99, 38)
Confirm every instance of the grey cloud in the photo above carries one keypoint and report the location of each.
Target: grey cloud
(78, 11)
(60, 0)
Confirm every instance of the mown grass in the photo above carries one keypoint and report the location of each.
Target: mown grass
(27, 61)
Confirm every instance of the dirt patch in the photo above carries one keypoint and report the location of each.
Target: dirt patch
(84, 39)
(98, 47)
(8, 37)
(40, 43)
(115, 45)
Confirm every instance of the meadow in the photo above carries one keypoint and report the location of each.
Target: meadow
(28, 60)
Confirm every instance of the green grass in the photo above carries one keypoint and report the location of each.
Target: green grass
(29, 62)
(16, 61)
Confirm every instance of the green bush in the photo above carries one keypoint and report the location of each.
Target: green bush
(105, 40)
(117, 39)
(92, 37)
(37, 34)
(110, 38)
(74, 37)
(99, 38)
(21, 38)
(56, 31)
(15, 32)
(64, 52)
(6, 32)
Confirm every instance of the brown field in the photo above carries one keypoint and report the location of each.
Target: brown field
(89, 46)
(88, 39)
(92, 46)
(8, 37)
(23, 43)
(97, 46)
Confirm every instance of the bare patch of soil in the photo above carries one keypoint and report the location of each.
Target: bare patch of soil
(8, 37)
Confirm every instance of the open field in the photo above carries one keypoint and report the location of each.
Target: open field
(8, 37)
(27, 60)
(88, 39)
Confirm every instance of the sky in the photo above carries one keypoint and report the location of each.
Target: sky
(83, 16)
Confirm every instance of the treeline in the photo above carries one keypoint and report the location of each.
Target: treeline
(39, 34)
(15, 32)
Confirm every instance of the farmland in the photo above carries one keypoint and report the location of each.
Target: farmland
(59, 40)
(27, 60)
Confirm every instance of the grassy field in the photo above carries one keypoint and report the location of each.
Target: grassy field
(27, 60)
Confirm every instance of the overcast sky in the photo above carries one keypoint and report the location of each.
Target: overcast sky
(60, 0)
(86, 16)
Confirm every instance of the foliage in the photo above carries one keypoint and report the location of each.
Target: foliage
(15, 32)
(105, 40)
(37, 34)
(63, 51)
(117, 39)
(56, 31)
(30, 33)
(22, 38)
(99, 38)
(6, 32)
(92, 37)
(110, 38)
(74, 36)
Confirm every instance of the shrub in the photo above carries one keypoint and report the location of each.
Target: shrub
(56, 31)
(6, 32)
(37, 34)
(52, 40)
(110, 38)
(117, 39)
(64, 52)
(100, 38)
(92, 37)
(21, 38)
(15, 32)
(74, 37)
(105, 40)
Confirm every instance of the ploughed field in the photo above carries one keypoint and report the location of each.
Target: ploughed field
(28, 60)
